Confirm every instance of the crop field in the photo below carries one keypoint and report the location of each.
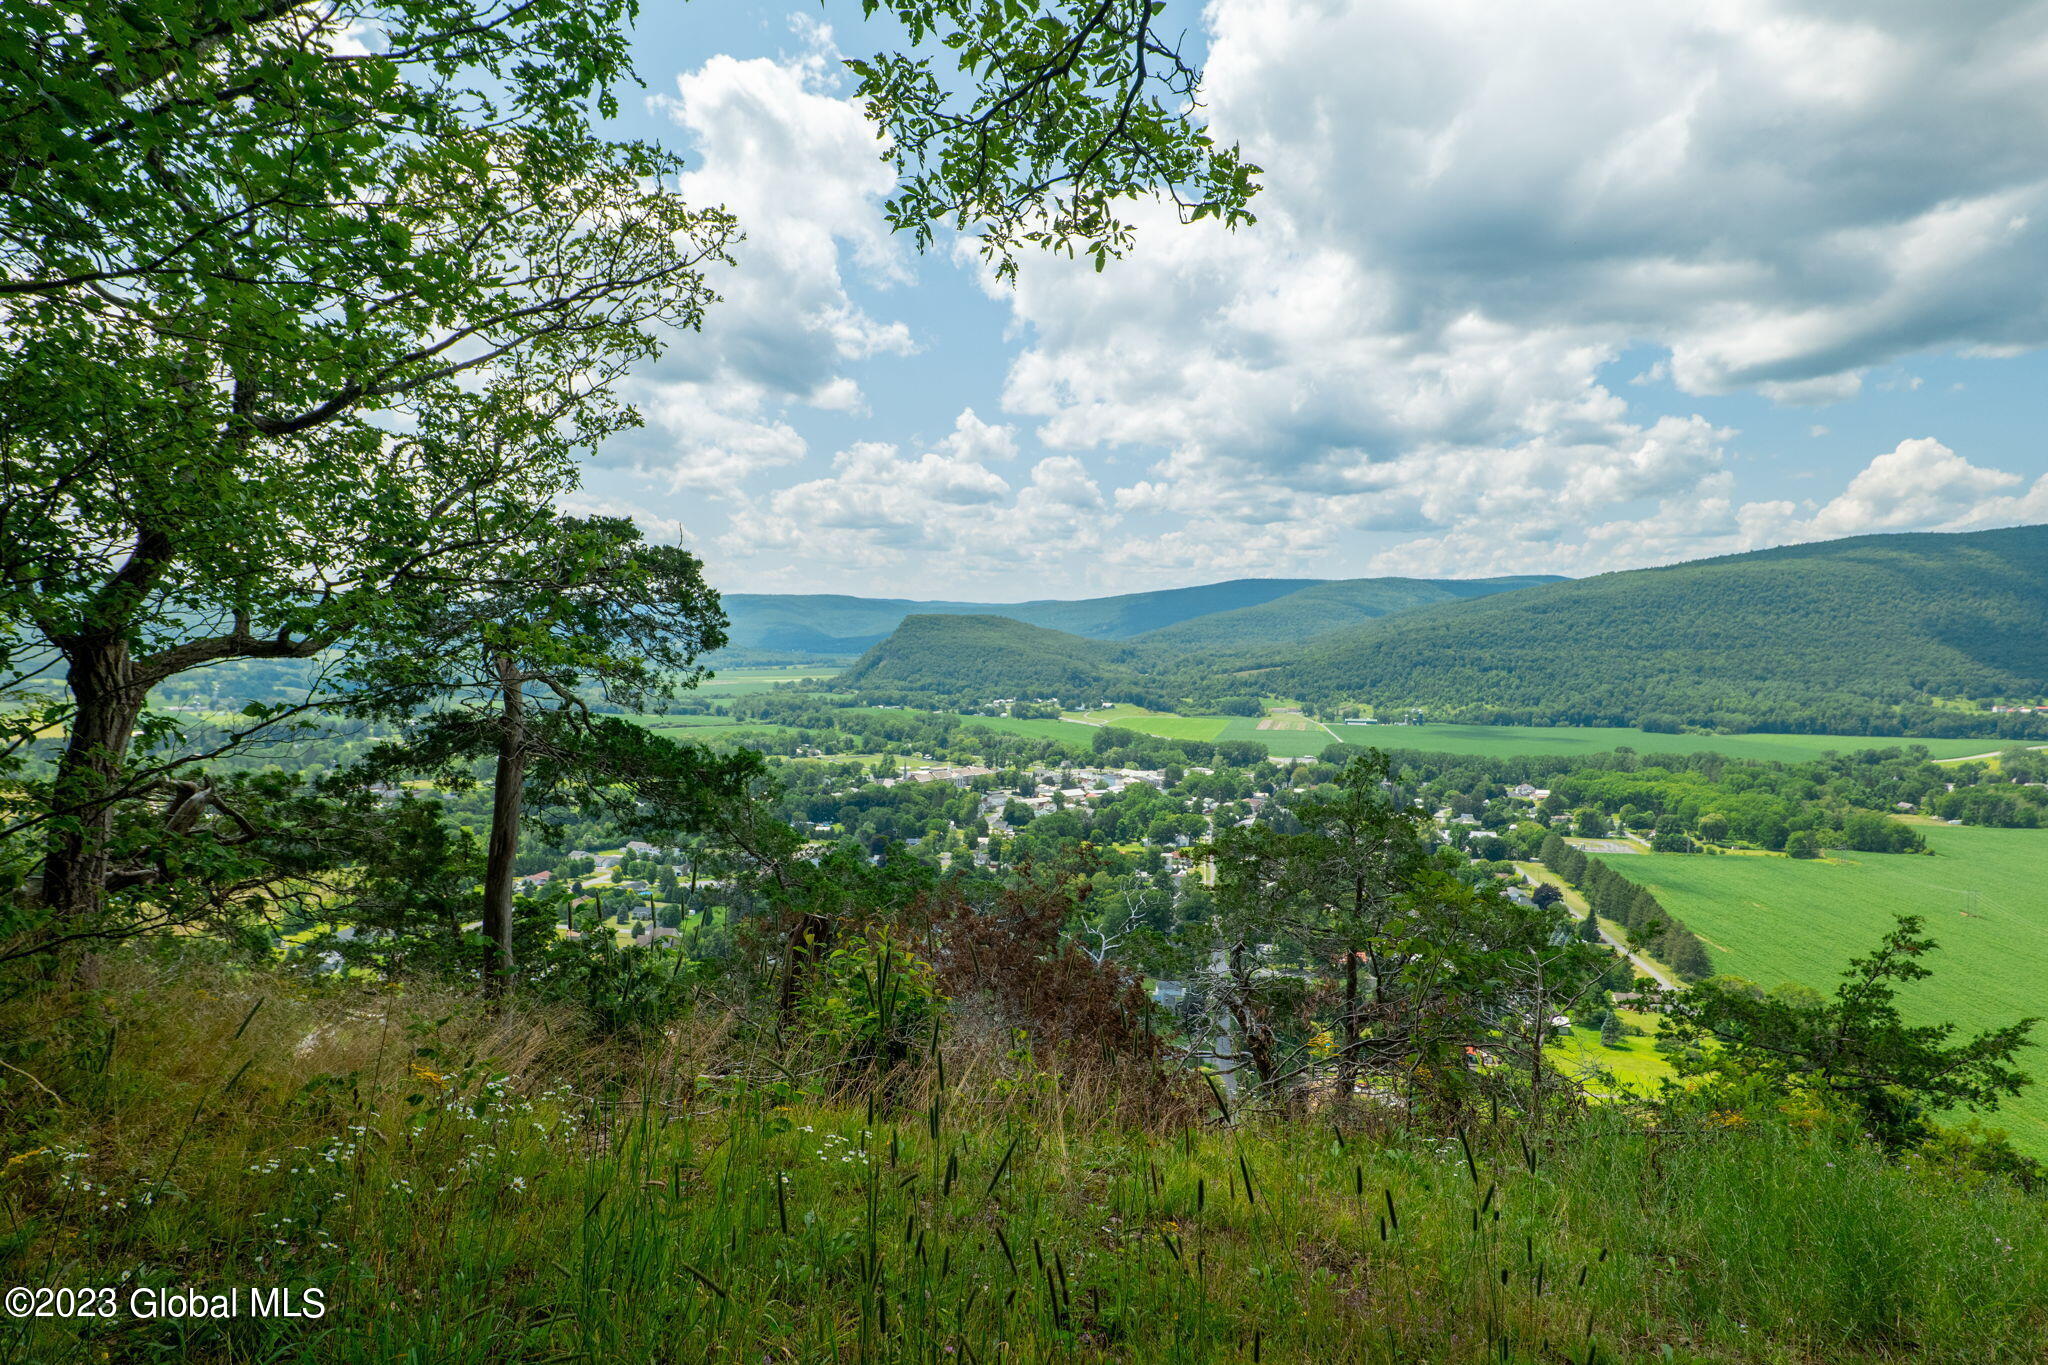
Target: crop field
(1165, 724)
(1505, 741)
(740, 682)
(1066, 731)
(1984, 896)
(1280, 743)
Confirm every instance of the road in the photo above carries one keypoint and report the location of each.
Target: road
(1537, 873)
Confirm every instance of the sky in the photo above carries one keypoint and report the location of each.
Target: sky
(1563, 286)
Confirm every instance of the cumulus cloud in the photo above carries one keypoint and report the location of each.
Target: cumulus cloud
(882, 509)
(1473, 210)
(777, 144)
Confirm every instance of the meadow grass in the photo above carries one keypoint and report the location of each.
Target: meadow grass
(1984, 895)
(476, 1187)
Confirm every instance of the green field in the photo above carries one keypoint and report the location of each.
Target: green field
(1504, 741)
(1280, 743)
(1066, 731)
(1984, 897)
(1165, 724)
(740, 682)
(704, 727)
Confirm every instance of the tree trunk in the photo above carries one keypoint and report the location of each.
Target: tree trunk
(108, 703)
(508, 801)
(1347, 1073)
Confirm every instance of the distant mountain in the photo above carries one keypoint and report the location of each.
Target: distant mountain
(988, 655)
(1843, 633)
(1321, 608)
(1288, 609)
(830, 624)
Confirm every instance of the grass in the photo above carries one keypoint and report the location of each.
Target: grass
(1636, 1064)
(1165, 724)
(1279, 743)
(1984, 897)
(485, 1189)
(1506, 741)
(740, 682)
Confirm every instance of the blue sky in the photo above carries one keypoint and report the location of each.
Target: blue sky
(1547, 288)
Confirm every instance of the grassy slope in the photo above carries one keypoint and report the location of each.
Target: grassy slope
(1984, 896)
(556, 1217)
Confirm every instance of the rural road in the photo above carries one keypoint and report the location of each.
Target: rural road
(1535, 874)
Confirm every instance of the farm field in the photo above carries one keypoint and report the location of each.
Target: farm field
(1066, 731)
(1983, 895)
(1280, 743)
(704, 727)
(740, 682)
(1504, 741)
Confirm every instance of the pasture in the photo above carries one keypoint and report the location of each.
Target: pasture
(1983, 895)
(1507, 741)
(741, 682)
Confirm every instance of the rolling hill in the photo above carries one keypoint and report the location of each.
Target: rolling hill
(1872, 631)
(829, 624)
(1258, 610)
(989, 655)
(1321, 608)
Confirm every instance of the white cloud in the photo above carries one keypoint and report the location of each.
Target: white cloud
(799, 165)
(880, 509)
(1473, 210)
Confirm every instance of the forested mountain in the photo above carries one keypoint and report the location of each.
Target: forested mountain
(988, 655)
(1234, 613)
(1321, 608)
(1846, 635)
(831, 624)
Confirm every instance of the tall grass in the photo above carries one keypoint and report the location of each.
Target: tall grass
(470, 1188)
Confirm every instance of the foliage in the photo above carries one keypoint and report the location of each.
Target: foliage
(1856, 1046)
(871, 1002)
(1859, 636)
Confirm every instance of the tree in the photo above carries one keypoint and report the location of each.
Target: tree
(1611, 1034)
(506, 670)
(278, 316)
(1854, 1046)
(293, 325)
(1590, 821)
(1802, 844)
(1713, 828)
(1357, 852)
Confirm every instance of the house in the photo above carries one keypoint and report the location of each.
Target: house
(648, 938)
(635, 846)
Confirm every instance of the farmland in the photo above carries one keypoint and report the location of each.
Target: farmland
(1491, 741)
(1504, 741)
(1982, 894)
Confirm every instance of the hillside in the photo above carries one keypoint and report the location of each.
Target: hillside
(833, 624)
(1839, 634)
(986, 654)
(1321, 608)
(1210, 615)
